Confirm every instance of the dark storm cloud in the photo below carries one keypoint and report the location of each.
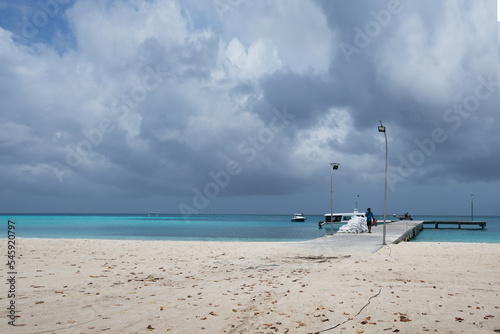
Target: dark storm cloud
(169, 100)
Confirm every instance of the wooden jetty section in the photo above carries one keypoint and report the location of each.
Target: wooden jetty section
(458, 223)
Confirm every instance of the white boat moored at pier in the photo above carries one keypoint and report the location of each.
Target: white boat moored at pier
(340, 218)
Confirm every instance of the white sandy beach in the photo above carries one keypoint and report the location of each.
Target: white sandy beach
(94, 286)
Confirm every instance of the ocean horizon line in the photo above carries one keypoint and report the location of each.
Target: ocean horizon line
(209, 214)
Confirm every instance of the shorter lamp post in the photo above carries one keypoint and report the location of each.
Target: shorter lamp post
(335, 166)
(381, 128)
(472, 207)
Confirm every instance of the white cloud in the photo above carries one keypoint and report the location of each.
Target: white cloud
(298, 29)
(316, 143)
(12, 134)
(431, 64)
(498, 10)
(261, 58)
(112, 32)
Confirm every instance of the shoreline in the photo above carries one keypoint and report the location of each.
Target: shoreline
(235, 241)
(132, 286)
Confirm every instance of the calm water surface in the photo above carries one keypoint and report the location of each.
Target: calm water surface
(216, 228)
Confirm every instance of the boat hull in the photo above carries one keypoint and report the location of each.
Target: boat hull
(339, 218)
(299, 217)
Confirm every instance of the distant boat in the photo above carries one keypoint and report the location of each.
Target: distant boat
(299, 217)
(406, 216)
(340, 218)
(153, 214)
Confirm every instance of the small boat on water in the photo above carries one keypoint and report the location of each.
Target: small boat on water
(406, 216)
(340, 218)
(299, 217)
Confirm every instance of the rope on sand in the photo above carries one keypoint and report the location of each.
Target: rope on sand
(340, 324)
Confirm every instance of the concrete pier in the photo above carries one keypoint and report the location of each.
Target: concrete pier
(396, 231)
(364, 242)
(456, 223)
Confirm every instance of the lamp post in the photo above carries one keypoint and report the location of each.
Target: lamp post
(381, 128)
(335, 166)
(357, 197)
(472, 207)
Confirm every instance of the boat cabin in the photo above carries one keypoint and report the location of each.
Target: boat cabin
(342, 218)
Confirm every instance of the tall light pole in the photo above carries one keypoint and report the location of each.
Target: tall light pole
(357, 197)
(381, 128)
(472, 207)
(335, 166)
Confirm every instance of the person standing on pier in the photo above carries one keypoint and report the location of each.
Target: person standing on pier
(369, 218)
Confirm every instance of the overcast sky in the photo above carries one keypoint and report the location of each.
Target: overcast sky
(232, 106)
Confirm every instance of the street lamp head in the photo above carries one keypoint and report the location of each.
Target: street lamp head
(335, 165)
(381, 128)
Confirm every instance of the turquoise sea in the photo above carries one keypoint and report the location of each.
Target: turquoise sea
(215, 227)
